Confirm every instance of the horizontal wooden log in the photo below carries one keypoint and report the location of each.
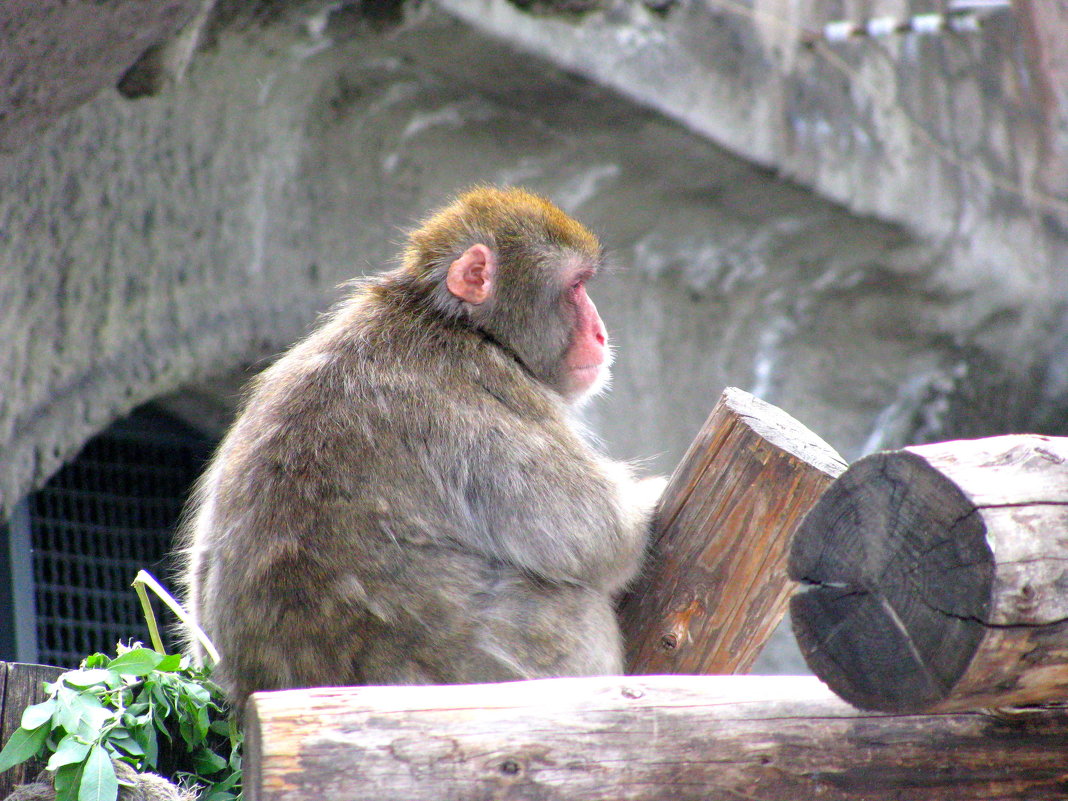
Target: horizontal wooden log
(936, 577)
(654, 738)
(715, 584)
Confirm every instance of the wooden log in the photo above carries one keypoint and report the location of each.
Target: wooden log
(20, 687)
(936, 577)
(650, 738)
(716, 585)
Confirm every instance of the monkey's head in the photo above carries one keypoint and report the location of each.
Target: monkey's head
(515, 267)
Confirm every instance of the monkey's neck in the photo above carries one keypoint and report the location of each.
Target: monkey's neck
(400, 288)
(507, 351)
(411, 305)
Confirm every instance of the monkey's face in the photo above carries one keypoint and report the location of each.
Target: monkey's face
(588, 356)
(536, 304)
(522, 281)
(544, 314)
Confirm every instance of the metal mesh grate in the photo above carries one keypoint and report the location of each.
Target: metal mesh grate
(107, 514)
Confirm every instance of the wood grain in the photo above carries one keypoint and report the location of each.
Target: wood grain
(936, 577)
(20, 687)
(649, 738)
(715, 585)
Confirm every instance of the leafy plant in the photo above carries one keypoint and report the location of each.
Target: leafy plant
(155, 712)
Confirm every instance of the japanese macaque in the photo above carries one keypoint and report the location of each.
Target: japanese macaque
(405, 497)
(133, 786)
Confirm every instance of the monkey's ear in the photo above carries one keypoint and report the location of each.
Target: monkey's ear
(470, 277)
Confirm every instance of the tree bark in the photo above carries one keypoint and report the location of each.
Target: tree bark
(716, 585)
(936, 577)
(655, 738)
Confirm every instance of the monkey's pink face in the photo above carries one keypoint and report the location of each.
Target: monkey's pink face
(588, 357)
(584, 370)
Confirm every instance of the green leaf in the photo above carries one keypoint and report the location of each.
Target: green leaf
(88, 678)
(98, 777)
(202, 723)
(170, 663)
(97, 716)
(207, 762)
(85, 699)
(138, 707)
(160, 724)
(138, 662)
(68, 708)
(146, 738)
(186, 730)
(128, 744)
(69, 751)
(231, 781)
(116, 710)
(199, 695)
(23, 744)
(82, 713)
(66, 782)
(38, 714)
(161, 704)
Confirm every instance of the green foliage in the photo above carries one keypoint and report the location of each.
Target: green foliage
(155, 712)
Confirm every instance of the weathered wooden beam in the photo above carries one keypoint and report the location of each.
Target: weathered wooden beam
(715, 584)
(20, 687)
(937, 577)
(650, 738)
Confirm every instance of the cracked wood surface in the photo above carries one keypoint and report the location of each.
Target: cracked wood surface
(715, 585)
(638, 738)
(936, 577)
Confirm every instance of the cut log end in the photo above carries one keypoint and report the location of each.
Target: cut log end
(715, 584)
(896, 578)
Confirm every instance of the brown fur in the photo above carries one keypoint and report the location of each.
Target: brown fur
(405, 498)
(133, 787)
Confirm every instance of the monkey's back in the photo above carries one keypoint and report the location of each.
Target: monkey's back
(401, 502)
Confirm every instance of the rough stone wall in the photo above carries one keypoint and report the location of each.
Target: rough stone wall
(149, 243)
(958, 137)
(949, 134)
(57, 54)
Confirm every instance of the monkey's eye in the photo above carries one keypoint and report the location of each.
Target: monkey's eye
(582, 278)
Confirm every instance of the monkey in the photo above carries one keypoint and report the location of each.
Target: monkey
(406, 496)
(133, 786)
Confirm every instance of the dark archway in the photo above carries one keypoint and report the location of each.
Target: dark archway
(77, 542)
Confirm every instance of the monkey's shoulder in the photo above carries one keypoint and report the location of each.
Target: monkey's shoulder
(362, 401)
(357, 417)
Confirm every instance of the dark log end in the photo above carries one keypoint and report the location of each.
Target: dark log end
(896, 578)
